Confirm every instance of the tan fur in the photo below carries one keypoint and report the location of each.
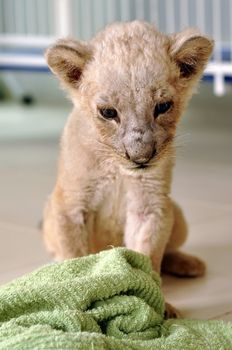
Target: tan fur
(102, 198)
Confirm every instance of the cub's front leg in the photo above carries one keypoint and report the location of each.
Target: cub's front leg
(64, 225)
(149, 223)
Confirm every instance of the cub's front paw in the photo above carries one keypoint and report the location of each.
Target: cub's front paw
(171, 312)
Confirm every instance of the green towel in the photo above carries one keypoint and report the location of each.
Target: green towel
(111, 300)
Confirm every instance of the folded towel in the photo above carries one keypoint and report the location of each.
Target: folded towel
(111, 300)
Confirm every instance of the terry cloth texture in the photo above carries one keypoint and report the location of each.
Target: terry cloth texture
(111, 300)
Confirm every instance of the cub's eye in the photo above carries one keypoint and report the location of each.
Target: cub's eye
(162, 108)
(108, 113)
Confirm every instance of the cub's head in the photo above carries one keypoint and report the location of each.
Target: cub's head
(133, 82)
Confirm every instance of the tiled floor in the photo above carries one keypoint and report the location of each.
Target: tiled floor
(202, 185)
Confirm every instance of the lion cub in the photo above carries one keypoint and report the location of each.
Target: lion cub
(129, 86)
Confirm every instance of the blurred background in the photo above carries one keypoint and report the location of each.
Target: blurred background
(33, 111)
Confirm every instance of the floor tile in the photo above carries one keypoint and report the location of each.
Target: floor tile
(197, 211)
(21, 250)
(26, 178)
(208, 296)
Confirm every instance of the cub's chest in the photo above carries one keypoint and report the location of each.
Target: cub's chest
(108, 218)
(110, 200)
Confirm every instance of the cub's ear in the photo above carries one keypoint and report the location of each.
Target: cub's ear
(191, 51)
(67, 59)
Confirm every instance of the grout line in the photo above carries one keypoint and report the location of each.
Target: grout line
(207, 203)
(221, 315)
(21, 271)
(10, 225)
(38, 262)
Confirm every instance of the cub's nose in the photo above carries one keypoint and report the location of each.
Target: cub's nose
(139, 145)
(140, 158)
